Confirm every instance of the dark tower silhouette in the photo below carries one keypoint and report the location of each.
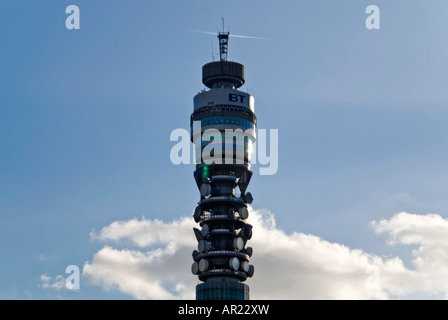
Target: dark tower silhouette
(222, 259)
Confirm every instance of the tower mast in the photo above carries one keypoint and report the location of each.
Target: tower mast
(221, 260)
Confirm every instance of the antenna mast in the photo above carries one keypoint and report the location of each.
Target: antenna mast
(223, 38)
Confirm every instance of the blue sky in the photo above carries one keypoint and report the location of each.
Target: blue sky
(86, 117)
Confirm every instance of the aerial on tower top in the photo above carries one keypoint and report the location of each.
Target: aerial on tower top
(223, 38)
(223, 45)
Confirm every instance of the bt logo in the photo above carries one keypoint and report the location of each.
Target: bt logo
(234, 97)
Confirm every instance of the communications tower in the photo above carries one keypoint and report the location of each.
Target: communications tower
(223, 127)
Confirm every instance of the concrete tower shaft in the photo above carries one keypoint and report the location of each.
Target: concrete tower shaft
(223, 117)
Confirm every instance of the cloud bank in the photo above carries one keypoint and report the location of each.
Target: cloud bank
(154, 259)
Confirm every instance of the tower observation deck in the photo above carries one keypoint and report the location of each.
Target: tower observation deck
(223, 126)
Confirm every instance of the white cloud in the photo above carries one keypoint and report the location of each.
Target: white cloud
(47, 282)
(428, 233)
(287, 266)
(160, 273)
(143, 233)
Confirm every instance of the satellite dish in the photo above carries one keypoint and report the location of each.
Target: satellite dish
(197, 213)
(234, 263)
(195, 268)
(198, 234)
(203, 265)
(238, 243)
(244, 266)
(205, 230)
(246, 231)
(202, 246)
(251, 271)
(248, 197)
(194, 254)
(206, 189)
(244, 213)
(249, 251)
